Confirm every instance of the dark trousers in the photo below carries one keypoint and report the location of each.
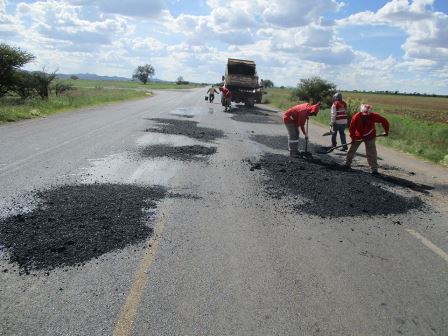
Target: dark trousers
(338, 128)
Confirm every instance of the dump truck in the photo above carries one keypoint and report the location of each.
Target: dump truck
(241, 78)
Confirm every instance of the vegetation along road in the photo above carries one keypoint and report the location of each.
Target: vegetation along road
(167, 216)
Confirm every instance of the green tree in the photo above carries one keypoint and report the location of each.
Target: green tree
(144, 72)
(11, 59)
(42, 82)
(179, 80)
(315, 89)
(267, 83)
(23, 84)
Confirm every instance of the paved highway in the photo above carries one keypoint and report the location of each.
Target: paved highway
(226, 257)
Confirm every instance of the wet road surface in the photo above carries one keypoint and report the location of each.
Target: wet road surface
(167, 216)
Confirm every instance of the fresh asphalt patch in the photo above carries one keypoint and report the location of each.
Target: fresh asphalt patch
(324, 189)
(328, 189)
(254, 115)
(183, 153)
(336, 163)
(185, 127)
(75, 223)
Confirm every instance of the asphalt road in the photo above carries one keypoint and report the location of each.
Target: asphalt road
(225, 258)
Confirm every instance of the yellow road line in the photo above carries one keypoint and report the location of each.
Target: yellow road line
(437, 250)
(128, 313)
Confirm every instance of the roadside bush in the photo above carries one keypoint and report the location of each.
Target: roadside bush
(353, 106)
(315, 89)
(61, 87)
(42, 82)
(23, 84)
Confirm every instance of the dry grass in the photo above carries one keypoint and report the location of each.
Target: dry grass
(432, 109)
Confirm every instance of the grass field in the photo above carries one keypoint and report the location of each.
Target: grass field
(13, 109)
(418, 125)
(86, 93)
(80, 83)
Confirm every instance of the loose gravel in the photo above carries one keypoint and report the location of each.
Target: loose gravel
(324, 189)
(183, 153)
(74, 224)
(186, 127)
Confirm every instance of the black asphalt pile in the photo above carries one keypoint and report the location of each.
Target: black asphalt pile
(255, 115)
(186, 127)
(329, 191)
(74, 224)
(184, 153)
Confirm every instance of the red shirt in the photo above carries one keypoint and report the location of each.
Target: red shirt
(226, 92)
(362, 125)
(297, 114)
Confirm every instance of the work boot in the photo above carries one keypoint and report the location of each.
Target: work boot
(375, 172)
(344, 149)
(294, 154)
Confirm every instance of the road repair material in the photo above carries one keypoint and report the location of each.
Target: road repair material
(328, 192)
(183, 153)
(76, 223)
(185, 127)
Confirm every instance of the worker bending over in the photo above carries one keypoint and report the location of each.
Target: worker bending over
(294, 118)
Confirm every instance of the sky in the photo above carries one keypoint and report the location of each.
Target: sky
(356, 44)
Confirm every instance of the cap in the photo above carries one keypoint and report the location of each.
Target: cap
(366, 108)
(314, 109)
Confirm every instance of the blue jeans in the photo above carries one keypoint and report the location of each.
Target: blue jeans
(341, 129)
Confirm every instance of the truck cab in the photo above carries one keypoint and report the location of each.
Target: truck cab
(242, 80)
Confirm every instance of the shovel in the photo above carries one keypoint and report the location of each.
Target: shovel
(330, 132)
(333, 148)
(306, 154)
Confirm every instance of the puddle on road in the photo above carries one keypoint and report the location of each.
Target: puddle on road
(189, 112)
(76, 223)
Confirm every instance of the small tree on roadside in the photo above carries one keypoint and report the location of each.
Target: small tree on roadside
(179, 80)
(267, 83)
(143, 73)
(42, 82)
(11, 59)
(315, 89)
(23, 84)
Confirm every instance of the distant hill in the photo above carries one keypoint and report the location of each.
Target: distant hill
(89, 76)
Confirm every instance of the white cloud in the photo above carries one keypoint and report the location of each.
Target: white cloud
(137, 8)
(293, 13)
(427, 32)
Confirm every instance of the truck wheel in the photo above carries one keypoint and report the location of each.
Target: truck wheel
(249, 103)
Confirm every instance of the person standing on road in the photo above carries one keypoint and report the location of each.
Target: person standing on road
(211, 94)
(338, 120)
(294, 118)
(362, 128)
(226, 98)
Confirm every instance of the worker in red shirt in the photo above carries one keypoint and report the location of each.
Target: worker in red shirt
(294, 118)
(226, 98)
(362, 128)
